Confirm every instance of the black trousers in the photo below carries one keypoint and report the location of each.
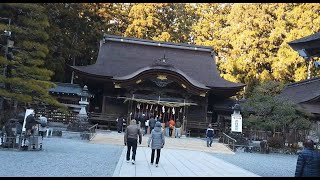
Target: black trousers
(41, 133)
(170, 132)
(158, 155)
(119, 128)
(132, 143)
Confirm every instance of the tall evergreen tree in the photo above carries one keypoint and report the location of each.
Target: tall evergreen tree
(76, 29)
(27, 79)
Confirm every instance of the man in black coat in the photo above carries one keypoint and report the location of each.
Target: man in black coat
(152, 123)
(120, 121)
(308, 163)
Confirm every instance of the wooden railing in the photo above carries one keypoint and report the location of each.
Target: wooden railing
(229, 141)
(196, 128)
(103, 117)
(107, 121)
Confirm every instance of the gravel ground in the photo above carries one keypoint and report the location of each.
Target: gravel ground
(60, 158)
(265, 165)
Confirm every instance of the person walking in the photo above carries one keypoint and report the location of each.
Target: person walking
(120, 121)
(131, 135)
(43, 125)
(152, 123)
(308, 162)
(178, 126)
(157, 142)
(146, 126)
(171, 126)
(209, 135)
(143, 124)
(166, 126)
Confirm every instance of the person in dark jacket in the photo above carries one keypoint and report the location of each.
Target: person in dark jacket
(131, 135)
(177, 129)
(209, 135)
(157, 142)
(143, 124)
(308, 163)
(30, 123)
(152, 123)
(120, 121)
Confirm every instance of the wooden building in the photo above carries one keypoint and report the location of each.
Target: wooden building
(306, 93)
(177, 81)
(68, 95)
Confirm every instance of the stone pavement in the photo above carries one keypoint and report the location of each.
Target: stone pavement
(177, 163)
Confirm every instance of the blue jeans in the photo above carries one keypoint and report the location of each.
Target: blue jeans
(177, 134)
(209, 141)
(167, 131)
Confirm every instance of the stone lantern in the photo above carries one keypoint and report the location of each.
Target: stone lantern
(81, 124)
(84, 98)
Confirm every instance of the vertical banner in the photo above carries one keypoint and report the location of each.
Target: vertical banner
(236, 123)
(28, 112)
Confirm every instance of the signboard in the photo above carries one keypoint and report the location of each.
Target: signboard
(236, 123)
(28, 112)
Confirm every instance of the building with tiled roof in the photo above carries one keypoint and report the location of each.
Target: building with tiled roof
(130, 73)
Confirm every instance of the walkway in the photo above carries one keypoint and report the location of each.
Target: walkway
(180, 157)
(178, 163)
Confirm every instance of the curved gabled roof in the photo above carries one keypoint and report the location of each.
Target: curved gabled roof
(122, 56)
(164, 68)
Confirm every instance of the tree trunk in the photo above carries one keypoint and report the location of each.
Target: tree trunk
(309, 68)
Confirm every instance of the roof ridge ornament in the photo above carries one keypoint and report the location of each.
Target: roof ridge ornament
(162, 61)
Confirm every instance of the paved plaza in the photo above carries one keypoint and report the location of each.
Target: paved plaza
(104, 156)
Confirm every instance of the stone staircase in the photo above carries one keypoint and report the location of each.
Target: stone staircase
(195, 144)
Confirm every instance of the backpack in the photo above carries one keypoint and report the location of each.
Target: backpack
(43, 124)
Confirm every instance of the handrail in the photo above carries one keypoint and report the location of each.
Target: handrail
(229, 138)
(92, 131)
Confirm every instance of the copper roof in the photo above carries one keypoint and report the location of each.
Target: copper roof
(66, 88)
(308, 42)
(305, 93)
(121, 57)
(302, 91)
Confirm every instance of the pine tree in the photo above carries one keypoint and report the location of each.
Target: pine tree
(27, 80)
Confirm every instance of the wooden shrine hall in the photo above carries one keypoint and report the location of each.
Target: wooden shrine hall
(133, 76)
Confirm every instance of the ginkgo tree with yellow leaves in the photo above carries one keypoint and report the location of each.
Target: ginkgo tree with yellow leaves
(251, 39)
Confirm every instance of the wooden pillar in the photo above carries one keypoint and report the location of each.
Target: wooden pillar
(206, 109)
(103, 109)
